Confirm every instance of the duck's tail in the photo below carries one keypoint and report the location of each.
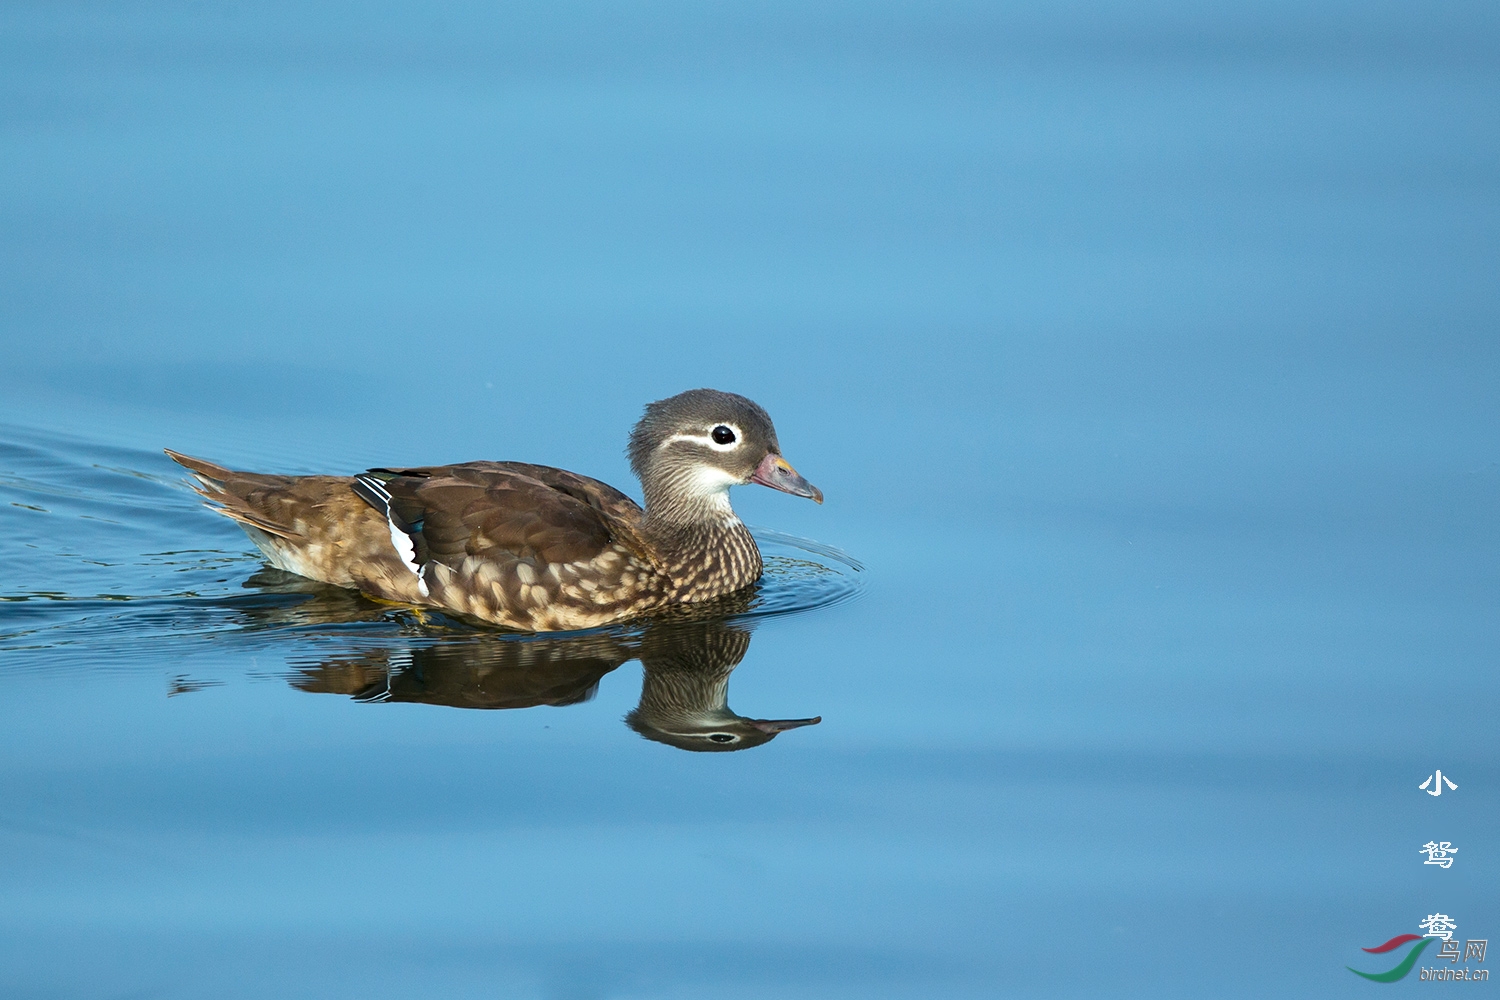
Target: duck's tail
(234, 494)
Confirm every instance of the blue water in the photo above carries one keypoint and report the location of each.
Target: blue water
(1148, 357)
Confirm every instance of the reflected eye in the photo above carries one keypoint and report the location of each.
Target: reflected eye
(721, 737)
(723, 435)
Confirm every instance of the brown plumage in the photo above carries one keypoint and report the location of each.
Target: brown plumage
(529, 546)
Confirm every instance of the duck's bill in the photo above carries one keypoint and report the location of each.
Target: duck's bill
(775, 472)
(774, 726)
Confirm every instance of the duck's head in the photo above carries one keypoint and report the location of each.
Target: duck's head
(689, 449)
(721, 730)
(685, 690)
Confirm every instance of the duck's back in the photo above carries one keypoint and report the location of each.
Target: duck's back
(526, 546)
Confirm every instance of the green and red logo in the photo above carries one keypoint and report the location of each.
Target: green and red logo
(1404, 966)
(1440, 928)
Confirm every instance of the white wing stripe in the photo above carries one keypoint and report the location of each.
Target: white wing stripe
(407, 550)
(376, 487)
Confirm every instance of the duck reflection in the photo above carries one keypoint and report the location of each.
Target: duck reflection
(469, 674)
(687, 658)
(685, 691)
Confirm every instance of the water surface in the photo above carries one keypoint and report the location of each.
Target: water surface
(1146, 355)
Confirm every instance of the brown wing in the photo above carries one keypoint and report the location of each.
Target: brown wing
(501, 511)
(600, 496)
(622, 514)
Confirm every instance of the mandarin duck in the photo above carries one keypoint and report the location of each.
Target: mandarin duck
(524, 546)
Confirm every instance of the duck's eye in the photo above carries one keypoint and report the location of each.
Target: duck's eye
(723, 435)
(721, 737)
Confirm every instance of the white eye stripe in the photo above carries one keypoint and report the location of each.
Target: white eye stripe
(707, 438)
